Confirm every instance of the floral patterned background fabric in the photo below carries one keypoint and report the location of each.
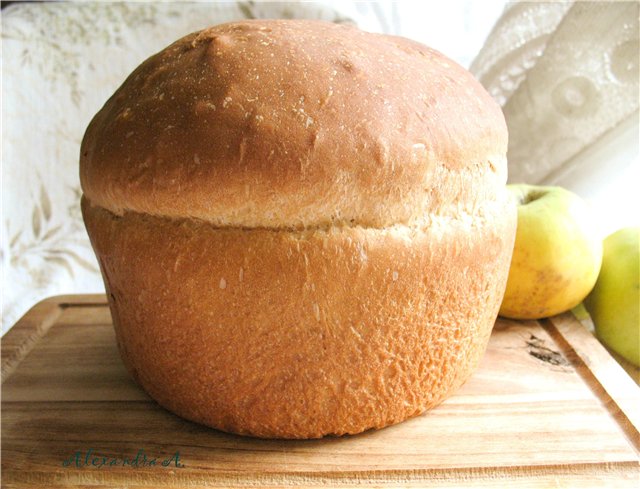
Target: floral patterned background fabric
(61, 62)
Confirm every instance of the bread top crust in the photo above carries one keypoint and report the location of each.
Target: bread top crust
(292, 123)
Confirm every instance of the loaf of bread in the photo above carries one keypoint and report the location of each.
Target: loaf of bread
(303, 228)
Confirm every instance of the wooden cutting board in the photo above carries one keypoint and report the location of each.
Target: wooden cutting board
(547, 407)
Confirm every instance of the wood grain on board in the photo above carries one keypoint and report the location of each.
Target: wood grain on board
(547, 407)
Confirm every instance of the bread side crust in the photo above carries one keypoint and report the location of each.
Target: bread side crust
(301, 334)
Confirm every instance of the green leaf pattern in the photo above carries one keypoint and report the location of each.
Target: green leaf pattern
(51, 241)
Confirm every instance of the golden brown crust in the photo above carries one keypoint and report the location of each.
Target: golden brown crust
(300, 334)
(303, 228)
(296, 123)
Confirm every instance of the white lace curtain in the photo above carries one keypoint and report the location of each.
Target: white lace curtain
(566, 74)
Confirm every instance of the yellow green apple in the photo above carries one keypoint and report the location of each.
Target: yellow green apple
(614, 302)
(557, 253)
